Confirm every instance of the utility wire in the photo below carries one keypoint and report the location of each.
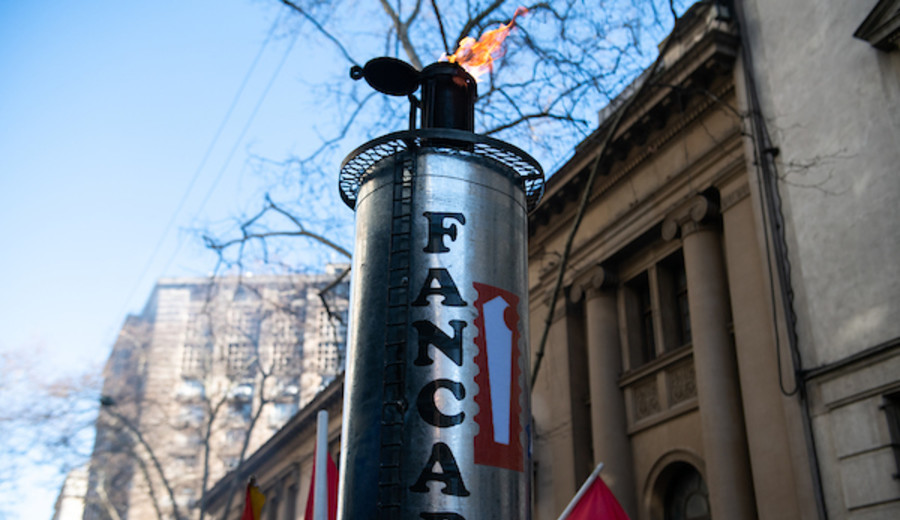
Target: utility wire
(587, 189)
(237, 143)
(200, 167)
(240, 138)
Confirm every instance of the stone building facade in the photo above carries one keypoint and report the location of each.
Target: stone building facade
(725, 339)
(829, 90)
(659, 360)
(204, 376)
(283, 465)
(722, 342)
(70, 502)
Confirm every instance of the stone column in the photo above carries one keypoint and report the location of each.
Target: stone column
(564, 422)
(780, 479)
(609, 426)
(561, 441)
(728, 472)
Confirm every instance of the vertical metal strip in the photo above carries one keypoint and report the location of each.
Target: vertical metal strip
(394, 405)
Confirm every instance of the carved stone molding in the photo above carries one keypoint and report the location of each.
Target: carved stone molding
(646, 399)
(549, 263)
(734, 196)
(690, 217)
(681, 382)
(559, 311)
(595, 279)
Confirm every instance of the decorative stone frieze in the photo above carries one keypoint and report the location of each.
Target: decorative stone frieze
(681, 383)
(646, 399)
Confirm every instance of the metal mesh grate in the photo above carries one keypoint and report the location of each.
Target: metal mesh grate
(360, 163)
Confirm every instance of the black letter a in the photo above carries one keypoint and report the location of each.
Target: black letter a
(453, 483)
(446, 288)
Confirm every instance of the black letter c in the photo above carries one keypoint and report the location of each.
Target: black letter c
(428, 410)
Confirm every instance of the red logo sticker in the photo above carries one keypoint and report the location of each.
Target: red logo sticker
(499, 421)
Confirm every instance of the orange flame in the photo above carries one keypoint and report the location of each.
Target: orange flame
(477, 57)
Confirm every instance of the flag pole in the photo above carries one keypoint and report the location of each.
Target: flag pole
(584, 487)
(320, 503)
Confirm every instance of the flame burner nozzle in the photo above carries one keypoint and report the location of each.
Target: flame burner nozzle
(448, 91)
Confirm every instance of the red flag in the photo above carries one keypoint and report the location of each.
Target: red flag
(332, 490)
(253, 502)
(598, 503)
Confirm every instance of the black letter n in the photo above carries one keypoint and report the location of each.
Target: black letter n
(430, 334)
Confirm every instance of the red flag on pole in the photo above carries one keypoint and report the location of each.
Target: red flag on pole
(253, 502)
(594, 501)
(332, 476)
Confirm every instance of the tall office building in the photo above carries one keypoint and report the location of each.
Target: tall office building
(70, 502)
(204, 376)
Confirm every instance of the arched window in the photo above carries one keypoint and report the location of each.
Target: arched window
(686, 496)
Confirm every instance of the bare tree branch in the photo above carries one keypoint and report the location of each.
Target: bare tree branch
(529, 117)
(150, 490)
(255, 418)
(610, 132)
(476, 20)
(402, 31)
(342, 133)
(440, 22)
(296, 7)
(213, 410)
(247, 235)
(107, 504)
(107, 407)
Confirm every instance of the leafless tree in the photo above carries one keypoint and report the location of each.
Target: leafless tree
(160, 451)
(45, 419)
(226, 382)
(143, 454)
(563, 61)
(54, 422)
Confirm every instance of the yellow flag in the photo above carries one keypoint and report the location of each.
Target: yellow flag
(253, 503)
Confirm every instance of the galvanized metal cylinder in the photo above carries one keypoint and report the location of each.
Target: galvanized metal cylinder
(436, 413)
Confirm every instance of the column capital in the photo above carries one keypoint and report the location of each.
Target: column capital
(691, 216)
(590, 282)
(560, 308)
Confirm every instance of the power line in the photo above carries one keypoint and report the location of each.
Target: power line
(200, 167)
(237, 142)
(247, 125)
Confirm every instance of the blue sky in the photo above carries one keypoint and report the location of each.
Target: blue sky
(107, 110)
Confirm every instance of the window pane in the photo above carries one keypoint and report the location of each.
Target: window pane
(673, 299)
(686, 496)
(641, 286)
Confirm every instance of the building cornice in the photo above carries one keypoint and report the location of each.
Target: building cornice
(705, 50)
(881, 27)
(720, 163)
